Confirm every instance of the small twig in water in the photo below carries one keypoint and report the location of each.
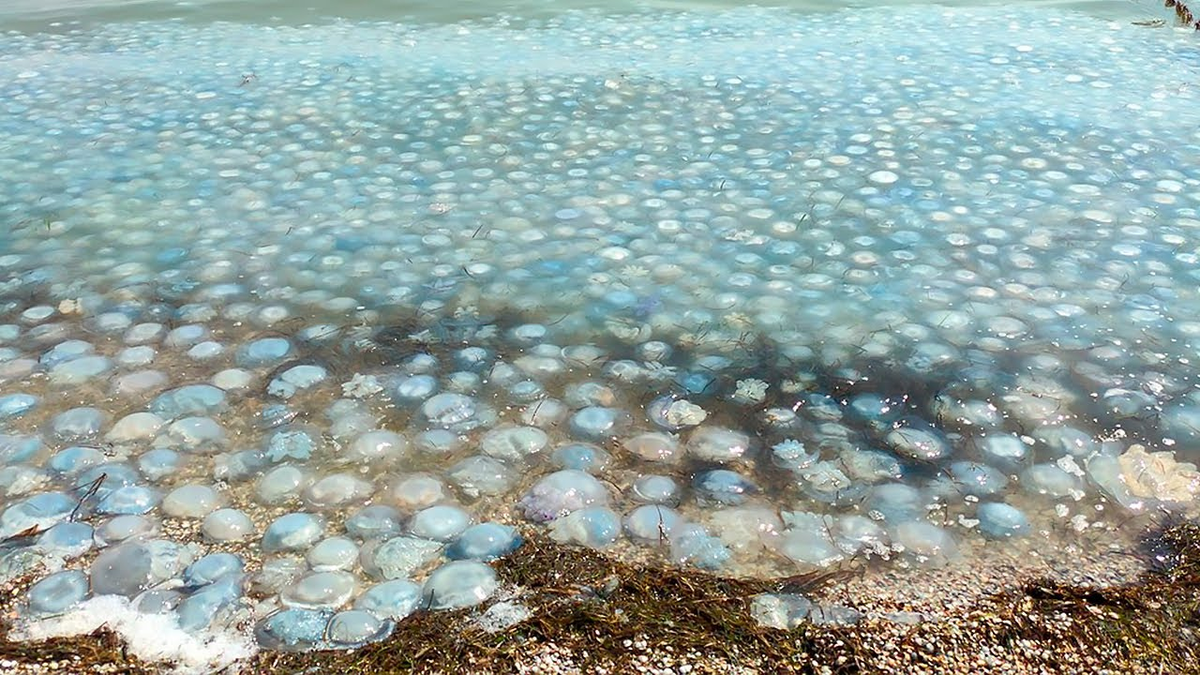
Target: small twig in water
(92, 489)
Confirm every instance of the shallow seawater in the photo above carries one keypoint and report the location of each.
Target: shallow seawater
(301, 324)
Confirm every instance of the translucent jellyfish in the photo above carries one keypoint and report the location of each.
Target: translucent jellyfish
(210, 604)
(74, 460)
(513, 444)
(651, 524)
(485, 542)
(293, 442)
(925, 543)
(337, 490)
(724, 487)
(294, 629)
(78, 424)
(653, 447)
(128, 500)
(481, 475)
(593, 527)
(398, 557)
(320, 590)
(973, 478)
(378, 445)
(57, 593)
(377, 521)
(277, 574)
(282, 484)
(718, 444)
(192, 501)
(212, 567)
(580, 456)
(297, 379)
(461, 583)
(561, 493)
(655, 489)
(390, 600)
(227, 525)
(36, 512)
(193, 399)
(456, 412)
(596, 423)
(692, 545)
(808, 539)
(998, 520)
(442, 523)
(67, 540)
(135, 427)
(292, 532)
(354, 628)
(917, 440)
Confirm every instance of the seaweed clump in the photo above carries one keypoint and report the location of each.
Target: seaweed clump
(590, 613)
(98, 652)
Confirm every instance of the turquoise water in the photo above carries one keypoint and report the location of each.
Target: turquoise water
(755, 290)
(40, 13)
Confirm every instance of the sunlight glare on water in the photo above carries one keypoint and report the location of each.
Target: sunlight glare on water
(38, 13)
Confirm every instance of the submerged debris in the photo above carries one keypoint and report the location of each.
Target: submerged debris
(1183, 14)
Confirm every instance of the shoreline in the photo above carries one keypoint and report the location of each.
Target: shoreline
(590, 613)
